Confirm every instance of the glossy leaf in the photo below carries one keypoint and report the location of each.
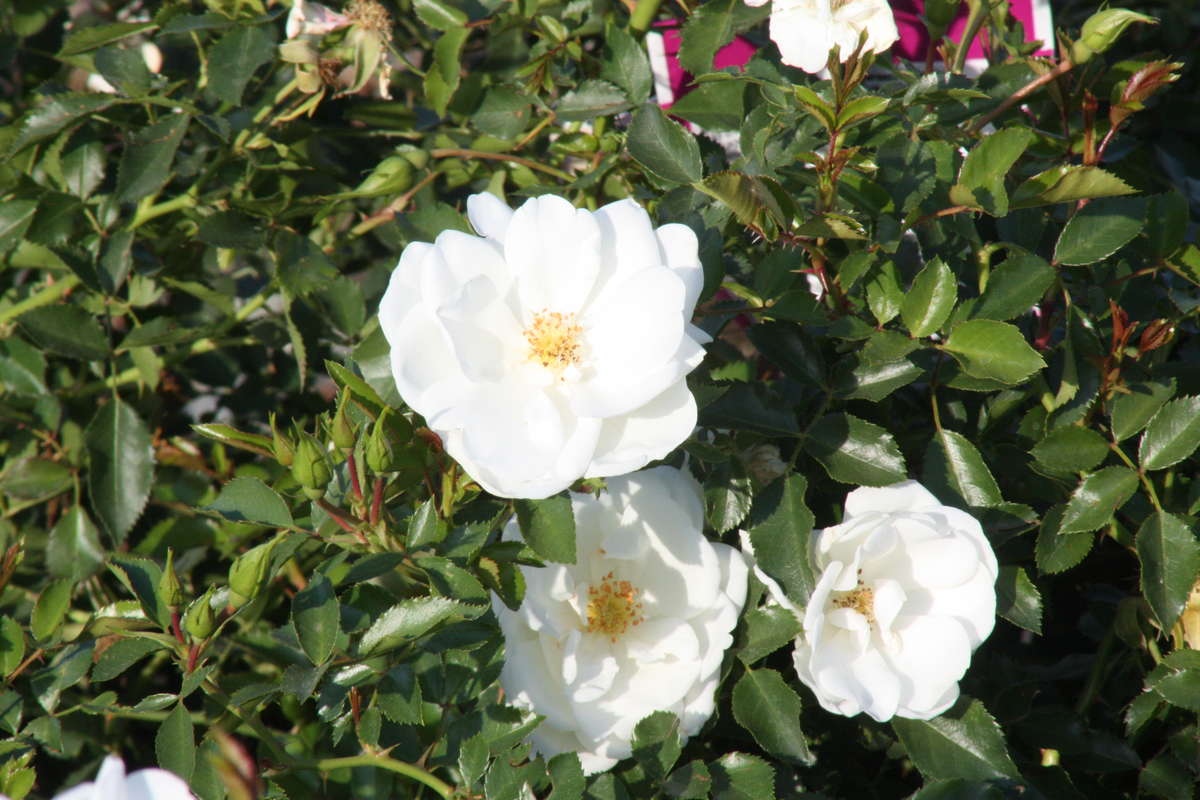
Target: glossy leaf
(954, 467)
(855, 451)
(1097, 497)
(548, 526)
(315, 616)
(964, 742)
(250, 500)
(1169, 553)
(121, 467)
(663, 146)
(769, 709)
(929, 300)
(1172, 435)
(994, 350)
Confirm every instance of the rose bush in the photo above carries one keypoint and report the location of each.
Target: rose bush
(905, 595)
(639, 623)
(551, 346)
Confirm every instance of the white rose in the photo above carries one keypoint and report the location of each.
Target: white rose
(552, 346)
(112, 784)
(806, 30)
(905, 595)
(638, 624)
(313, 19)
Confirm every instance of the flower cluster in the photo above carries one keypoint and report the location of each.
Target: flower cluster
(553, 346)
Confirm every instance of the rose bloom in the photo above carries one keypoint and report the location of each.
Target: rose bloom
(112, 784)
(806, 30)
(638, 624)
(553, 345)
(905, 595)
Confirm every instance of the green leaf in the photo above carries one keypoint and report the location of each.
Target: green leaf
(59, 112)
(657, 743)
(1177, 679)
(766, 630)
(716, 106)
(73, 549)
(228, 435)
(1068, 183)
(248, 499)
(930, 299)
(82, 40)
(692, 781)
(142, 576)
(855, 451)
(1172, 435)
(750, 197)
(753, 407)
(15, 217)
(1058, 552)
(884, 295)
(566, 774)
(440, 15)
(175, 742)
(1169, 553)
(1166, 222)
(399, 695)
(35, 478)
(146, 162)
(66, 330)
(473, 755)
(625, 64)
(504, 113)
(1133, 409)
(1071, 449)
(739, 776)
(444, 76)
(232, 230)
(1013, 287)
(125, 69)
(861, 109)
(234, 58)
(728, 493)
(1100, 229)
(315, 616)
(425, 527)
(410, 619)
(1097, 498)
(708, 28)
(121, 467)
(1018, 600)
(12, 645)
(116, 261)
(50, 609)
(123, 655)
(965, 742)
(663, 146)
(780, 525)
(790, 348)
(985, 348)
(955, 469)
(769, 709)
(548, 526)
(981, 179)
(593, 98)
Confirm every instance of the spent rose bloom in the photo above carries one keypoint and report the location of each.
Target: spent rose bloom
(313, 19)
(112, 784)
(905, 595)
(553, 345)
(806, 30)
(638, 624)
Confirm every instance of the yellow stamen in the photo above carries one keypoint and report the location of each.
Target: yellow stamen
(613, 607)
(554, 340)
(860, 599)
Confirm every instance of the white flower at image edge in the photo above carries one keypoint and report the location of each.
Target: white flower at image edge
(638, 624)
(906, 593)
(112, 784)
(806, 30)
(552, 346)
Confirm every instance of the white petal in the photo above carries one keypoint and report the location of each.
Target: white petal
(489, 216)
(530, 683)
(648, 433)
(934, 655)
(660, 639)
(485, 335)
(681, 252)
(85, 791)
(423, 364)
(628, 244)
(110, 780)
(554, 250)
(156, 784)
(904, 496)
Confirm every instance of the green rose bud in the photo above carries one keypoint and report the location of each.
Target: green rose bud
(340, 428)
(248, 572)
(1102, 30)
(168, 585)
(310, 467)
(200, 620)
(284, 450)
(388, 436)
(939, 14)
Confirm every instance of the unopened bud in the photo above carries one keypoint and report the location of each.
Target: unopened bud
(168, 585)
(340, 428)
(248, 572)
(284, 450)
(939, 14)
(1102, 29)
(200, 620)
(1157, 333)
(387, 436)
(310, 467)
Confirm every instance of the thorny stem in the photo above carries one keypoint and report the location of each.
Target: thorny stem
(336, 515)
(1062, 68)
(42, 297)
(386, 213)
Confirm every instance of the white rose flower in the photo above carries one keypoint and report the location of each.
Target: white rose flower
(806, 30)
(905, 595)
(638, 624)
(112, 784)
(552, 346)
